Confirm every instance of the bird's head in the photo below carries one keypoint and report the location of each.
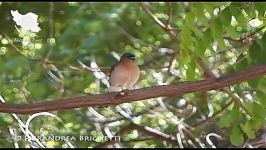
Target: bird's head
(128, 56)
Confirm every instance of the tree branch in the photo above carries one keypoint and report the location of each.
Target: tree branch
(144, 129)
(203, 122)
(170, 33)
(115, 98)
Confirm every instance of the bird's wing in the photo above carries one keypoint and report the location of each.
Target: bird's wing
(112, 69)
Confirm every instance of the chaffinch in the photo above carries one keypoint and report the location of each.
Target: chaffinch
(124, 74)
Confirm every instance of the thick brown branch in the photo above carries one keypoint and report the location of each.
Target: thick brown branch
(134, 95)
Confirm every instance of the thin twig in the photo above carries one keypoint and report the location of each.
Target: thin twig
(247, 36)
(210, 74)
(203, 122)
(170, 33)
(38, 59)
(144, 129)
(51, 30)
(170, 10)
(198, 60)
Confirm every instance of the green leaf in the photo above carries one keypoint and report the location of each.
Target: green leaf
(6, 119)
(261, 8)
(204, 42)
(42, 89)
(94, 26)
(189, 20)
(232, 32)
(256, 110)
(90, 42)
(254, 51)
(197, 33)
(191, 71)
(207, 40)
(251, 11)
(262, 86)
(236, 114)
(198, 10)
(242, 62)
(261, 98)
(263, 21)
(217, 32)
(226, 120)
(236, 136)
(240, 18)
(186, 39)
(184, 59)
(257, 52)
(225, 18)
(200, 49)
(209, 7)
(250, 132)
(262, 42)
(254, 83)
(254, 123)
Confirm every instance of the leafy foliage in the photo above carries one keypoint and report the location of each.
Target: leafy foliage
(226, 36)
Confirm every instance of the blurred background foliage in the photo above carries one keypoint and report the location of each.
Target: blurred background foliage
(224, 37)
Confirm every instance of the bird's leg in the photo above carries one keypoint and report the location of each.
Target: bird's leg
(122, 92)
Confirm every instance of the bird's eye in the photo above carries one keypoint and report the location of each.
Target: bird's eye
(129, 56)
(132, 57)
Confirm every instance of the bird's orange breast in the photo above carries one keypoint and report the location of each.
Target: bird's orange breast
(126, 73)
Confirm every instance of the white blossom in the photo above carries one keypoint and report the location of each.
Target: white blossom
(27, 22)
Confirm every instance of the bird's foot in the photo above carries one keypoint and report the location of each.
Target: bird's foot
(120, 94)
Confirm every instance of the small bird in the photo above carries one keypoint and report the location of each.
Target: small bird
(124, 74)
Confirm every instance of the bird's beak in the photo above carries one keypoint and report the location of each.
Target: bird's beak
(132, 58)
